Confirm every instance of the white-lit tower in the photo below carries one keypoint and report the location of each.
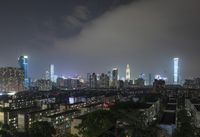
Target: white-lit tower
(52, 72)
(176, 71)
(128, 73)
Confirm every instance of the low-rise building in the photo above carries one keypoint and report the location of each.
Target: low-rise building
(62, 121)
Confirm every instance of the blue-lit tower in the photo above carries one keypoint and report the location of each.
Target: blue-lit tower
(176, 70)
(23, 64)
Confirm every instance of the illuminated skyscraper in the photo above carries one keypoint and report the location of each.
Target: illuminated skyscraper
(176, 70)
(128, 72)
(52, 72)
(23, 65)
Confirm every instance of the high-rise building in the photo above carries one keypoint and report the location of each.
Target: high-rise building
(115, 78)
(150, 79)
(176, 71)
(104, 81)
(88, 81)
(11, 79)
(128, 72)
(23, 65)
(52, 72)
(93, 80)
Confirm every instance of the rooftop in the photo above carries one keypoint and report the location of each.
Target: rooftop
(69, 112)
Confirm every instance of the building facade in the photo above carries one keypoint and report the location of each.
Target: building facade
(11, 79)
(176, 71)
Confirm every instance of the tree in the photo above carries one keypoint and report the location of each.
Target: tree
(5, 130)
(133, 121)
(185, 128)
(41, 129)
(95, 123)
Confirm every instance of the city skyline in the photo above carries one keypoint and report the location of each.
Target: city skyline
(123, 74)
(84, 37)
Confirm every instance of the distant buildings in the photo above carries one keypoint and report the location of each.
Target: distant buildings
(192, 83)
(47, 75)
(158, 85)
(43, 85)
(69, 83)
(11, 79)
(23, 65)
(139, 82)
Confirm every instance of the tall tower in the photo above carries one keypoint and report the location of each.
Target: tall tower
(115, 77)
(176, 70)
(23, 65)
(52, 72)
(128, 73)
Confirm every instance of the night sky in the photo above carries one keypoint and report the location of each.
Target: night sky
(81, 36)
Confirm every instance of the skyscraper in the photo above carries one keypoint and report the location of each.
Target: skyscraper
(115, 77)
(104, 81)
(93, 81)
(176, 70)
(128, 73)
(52, 72)
(23, 65)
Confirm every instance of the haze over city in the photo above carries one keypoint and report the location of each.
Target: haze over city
(84, 36)
(99, 68)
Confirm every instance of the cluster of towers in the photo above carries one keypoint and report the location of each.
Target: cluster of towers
(109, 80)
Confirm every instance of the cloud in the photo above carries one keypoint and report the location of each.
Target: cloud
(146, 34)
(78, 18)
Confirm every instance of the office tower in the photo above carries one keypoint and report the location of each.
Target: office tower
(11, 79)
(176, 70)
(93, 80)
(128, 72)
(109, 75)
(104, 81)
(150, 79)
(23, 65)
(88, 80)
(52, 72)
(115, 78)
